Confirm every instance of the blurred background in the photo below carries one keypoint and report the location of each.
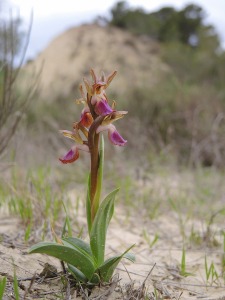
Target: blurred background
(171, 68)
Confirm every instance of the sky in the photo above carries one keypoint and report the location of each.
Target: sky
(52, 17)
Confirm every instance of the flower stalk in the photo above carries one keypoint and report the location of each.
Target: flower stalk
(93, 143)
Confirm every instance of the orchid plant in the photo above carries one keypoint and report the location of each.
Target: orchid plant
(86, 260)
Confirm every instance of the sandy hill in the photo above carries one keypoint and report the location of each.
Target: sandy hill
(69, 57)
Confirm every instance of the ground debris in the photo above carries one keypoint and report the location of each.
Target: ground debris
(49, 271)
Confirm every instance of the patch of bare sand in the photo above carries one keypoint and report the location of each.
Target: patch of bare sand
(165, 259)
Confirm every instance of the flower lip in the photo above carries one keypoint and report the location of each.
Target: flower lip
(102, 108)
(71, 156)
(114, 136)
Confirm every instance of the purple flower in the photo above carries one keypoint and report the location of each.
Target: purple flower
(102, 108)
(70, 156)
(114, 136)
(73, 154)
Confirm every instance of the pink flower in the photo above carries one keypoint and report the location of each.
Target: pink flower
(102, 108)
(114, 136)
(73, 154)
(70, 156)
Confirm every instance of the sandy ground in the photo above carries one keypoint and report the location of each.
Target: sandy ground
(158, 267)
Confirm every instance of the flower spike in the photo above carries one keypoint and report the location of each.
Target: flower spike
(98, 115)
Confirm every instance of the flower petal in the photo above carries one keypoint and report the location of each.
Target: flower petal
(114, 116)
(75, 136)
(86, 119)
(116, 138)
(102, 108)
(110, 78)
(70, 156)
(88, 86)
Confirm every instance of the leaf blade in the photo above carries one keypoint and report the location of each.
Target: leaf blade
(2, 287)
(100, 225)
(80, 245)
(100, 173)
(68, 254)
(108, 267)
(77, 274)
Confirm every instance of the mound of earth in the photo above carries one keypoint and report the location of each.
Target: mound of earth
(70, 56)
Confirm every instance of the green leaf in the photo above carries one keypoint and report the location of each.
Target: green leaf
(108, 267)
(100, 173)
(88, 205)
(15, 286)
(68, 254)
(67, 223)
(77, 274)
(80, 245)
(100, 225)
(2, 287)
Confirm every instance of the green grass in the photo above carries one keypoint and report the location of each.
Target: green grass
(210, 272)
(2, 287)
(34, 197)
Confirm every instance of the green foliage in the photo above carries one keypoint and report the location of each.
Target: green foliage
(88, 205)
(32, 196)
(67, 252)
(183, 271)
(183, 112)
(100, 225)
(86, 262)
(223, 256)
(150, 242)
(15, 286)
(210, 271)
(100, 172)
(165, 25)
(106, 270)
(2, 287)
